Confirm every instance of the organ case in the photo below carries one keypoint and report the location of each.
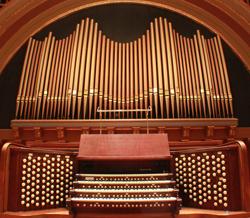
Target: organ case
(65, 81)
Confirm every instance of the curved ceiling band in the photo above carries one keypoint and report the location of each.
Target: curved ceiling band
(22, 19)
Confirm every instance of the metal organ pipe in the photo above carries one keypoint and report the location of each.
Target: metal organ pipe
(177, 76)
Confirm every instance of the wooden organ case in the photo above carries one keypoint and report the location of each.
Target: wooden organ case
(183, 80)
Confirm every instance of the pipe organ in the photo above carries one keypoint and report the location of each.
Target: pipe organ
(178, 76)
(65, 83)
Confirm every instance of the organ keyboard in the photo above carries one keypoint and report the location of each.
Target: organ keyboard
(151, 192)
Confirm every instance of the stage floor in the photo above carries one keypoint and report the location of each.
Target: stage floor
(184, 213)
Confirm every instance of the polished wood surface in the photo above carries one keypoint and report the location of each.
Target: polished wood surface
(210, 178)
(184, 213)
(70, 130)
(123, 147)
(29, 180)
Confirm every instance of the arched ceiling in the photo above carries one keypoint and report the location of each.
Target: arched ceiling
(21, 19)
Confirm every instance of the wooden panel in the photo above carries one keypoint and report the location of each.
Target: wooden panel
(177, 129)
(33, 172)
(210, 177)
(131, 147)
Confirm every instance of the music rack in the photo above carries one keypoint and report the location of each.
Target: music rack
(149, 109)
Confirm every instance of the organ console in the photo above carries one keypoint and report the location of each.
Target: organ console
(125, 174)
(86, 84)
(135, 174)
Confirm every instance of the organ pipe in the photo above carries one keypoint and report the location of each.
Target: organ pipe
(182, 82)
(97, 63)
(72, 92)
(192, 79)
(111, 77)
(170, 67)
(66, 67)
(92, 72)
(175, 91)
(123, 79)
(39, 86)
(131, 77)
(202, 88)
(224, 67)
(220, 76)
(140, 76)
(145, 72)
(28, 84)
(33, 80)
(154, 69)
(106, 77)
(89, 41)
(164, 67)
(101, 79)
(127, 87)
(18, 100)
(57, 96)
(150, 83)
(185, 77)
(178, 81)
(177, 76)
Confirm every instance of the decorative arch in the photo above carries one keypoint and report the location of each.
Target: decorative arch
(22, 19)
